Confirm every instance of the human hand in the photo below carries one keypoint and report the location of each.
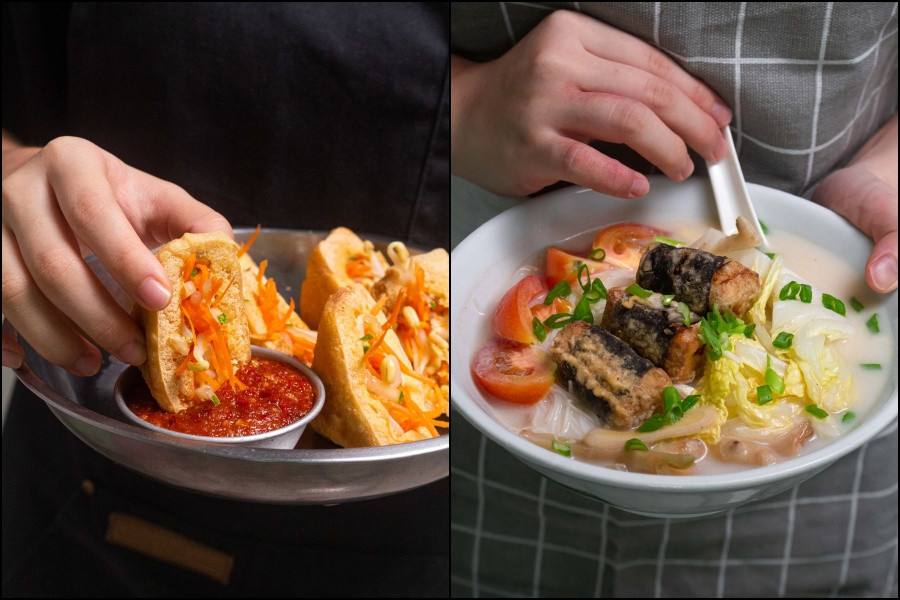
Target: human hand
(524, 120)
(865, 192)
(62, 202)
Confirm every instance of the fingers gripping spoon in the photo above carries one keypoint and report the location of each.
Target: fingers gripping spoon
(730, 191)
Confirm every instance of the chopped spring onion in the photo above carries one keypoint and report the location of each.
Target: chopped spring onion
(667, 299)
(582, 311)
(538, 329)
(583, 267)
(596, 293)
(635, 444)
(763, 395)
(674, 409)
(685, 312)
(872, 323)
(789, 291)
(400, 398)
(558, 321)
(215, 400)
(773, 380)
(366, 337)
(832, 303)
(223, 318)
(762, 226)
(653, 423)
(667, 240)
(636, 290)
(715, 330)
(194, 272)
(561, 448)
(783, 340)
(770, 255)
(806, 293)
(856, 304)
(816, 411)
(848, 416)
(871, 366)
(598, 254)
(560, 290)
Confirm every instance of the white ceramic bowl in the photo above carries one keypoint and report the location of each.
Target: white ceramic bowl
(282, 438)
(488, 258)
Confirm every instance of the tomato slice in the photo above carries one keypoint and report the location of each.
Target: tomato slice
(561, 265)
(514, 372)
(625, 243)
(512, 319)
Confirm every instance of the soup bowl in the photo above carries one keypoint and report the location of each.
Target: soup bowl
(492, 257)
(131, 384)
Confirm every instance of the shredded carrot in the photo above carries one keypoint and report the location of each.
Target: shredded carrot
(188, 267)
(246, 245)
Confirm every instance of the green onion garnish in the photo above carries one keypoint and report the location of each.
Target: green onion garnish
(762, 226)
(194, 272)
(848, 416)
(763, 395)
(365, 348)
(558, 321)
(872, 323)
(561, 448)
(598, 254)
(667, 240)
(583, 267)
(871, 366)
(773, 380)
(538, 329)
(667, 299)
(400, 398)
(685, 312)
(560, 290)
(582, 311)
(596, 293)
(783, 340)
(715, 330)
(856, 304)
(748, 330)
(366, 337)
(222, 318)
(832, 303)
(636, 290)
(689, 402)
(806, 293)
(789, 291)
(635, 444)
(770, 255)
(653, 423)
(215, 399)
(816, 411)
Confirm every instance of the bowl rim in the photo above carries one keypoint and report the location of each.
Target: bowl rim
(259, 351)
(559, 466)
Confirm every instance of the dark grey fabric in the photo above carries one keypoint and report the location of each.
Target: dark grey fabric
(808, 83)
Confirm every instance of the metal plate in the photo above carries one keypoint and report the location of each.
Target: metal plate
(314, 472)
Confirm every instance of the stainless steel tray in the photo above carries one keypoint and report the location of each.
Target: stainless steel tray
(314, 472)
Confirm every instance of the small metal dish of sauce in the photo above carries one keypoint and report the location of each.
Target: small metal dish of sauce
(283, 395)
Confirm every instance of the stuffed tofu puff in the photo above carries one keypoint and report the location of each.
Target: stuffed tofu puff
(272, 321)
(201, 338)
(421, 286)
(340, 259)
(374, 398)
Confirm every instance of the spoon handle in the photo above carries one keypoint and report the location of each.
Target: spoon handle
(730, 191)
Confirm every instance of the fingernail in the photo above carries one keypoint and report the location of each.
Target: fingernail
(721, 150)
(153, 295)
(87, 365)
(639, 187)
(133, 353)
(884, 273)
(687, 170)
(12, 359)
(721, 113)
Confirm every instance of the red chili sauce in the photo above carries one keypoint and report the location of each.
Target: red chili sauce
(276, 396)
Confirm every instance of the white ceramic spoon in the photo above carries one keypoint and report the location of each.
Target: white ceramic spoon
(730, 192)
